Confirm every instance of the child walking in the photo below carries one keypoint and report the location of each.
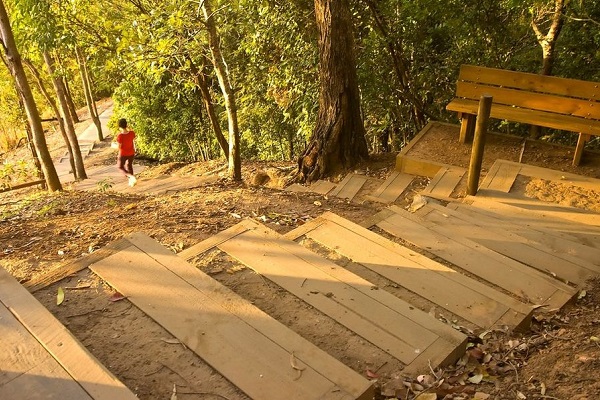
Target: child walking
(126, 151)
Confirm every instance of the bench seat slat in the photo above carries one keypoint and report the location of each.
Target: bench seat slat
(535, 101)
(528, 116)
(532, 82)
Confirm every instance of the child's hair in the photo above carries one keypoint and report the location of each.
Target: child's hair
(123, 123)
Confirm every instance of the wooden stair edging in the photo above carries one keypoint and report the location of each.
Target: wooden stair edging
(244, 344)
(444, 182)
(389, 191)
(322, 187)
(560, 242)
(296, 188)
(97, 381)
(349, 187)
(562, 266)
(486, 264)
(462, 295)
(406, 333)
(501, 176)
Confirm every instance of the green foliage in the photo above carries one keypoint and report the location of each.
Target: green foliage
(13, 173)
(104, 185)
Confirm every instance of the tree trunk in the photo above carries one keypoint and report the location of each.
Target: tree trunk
(15, 66)
(338, 141)
(89, 96)
(548, 44)
(235, 162)
(210, 109)
(64, 108)
(50, 100)
(70, 102)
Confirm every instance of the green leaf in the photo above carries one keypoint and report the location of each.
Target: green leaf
(60, 297)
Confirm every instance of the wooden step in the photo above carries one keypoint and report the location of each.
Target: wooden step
(542, 215)
(501, 176)
(245, 345)
(406, 333)
(392, 188)
(552, 239)
(297, 188)
(563, 266)
(444, 182)
(322, 187)
(41, 359)
(522, 281)
(455, 292)
(349, 186)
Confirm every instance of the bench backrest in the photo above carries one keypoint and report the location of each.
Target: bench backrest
(537, 92)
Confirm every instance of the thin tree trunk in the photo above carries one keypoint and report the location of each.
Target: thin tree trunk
(89, 97)
(235, 162)
(52, 103)
(338, 141)
(70, 102)
(13, 60)
(60, 94)
(210, 108)
(548, 44)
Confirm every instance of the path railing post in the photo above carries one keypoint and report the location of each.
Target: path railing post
(481, 126)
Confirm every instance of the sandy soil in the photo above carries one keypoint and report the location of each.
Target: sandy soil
(39, 232)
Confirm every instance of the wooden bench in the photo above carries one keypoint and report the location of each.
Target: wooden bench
(548, 101)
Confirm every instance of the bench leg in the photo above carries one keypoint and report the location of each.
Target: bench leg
(467, 128)
(583, 138)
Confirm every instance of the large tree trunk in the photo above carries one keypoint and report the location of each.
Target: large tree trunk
(52, 103)
(235, 162)
(338, 140)
(15, 66)
(62, 101)
(202, 84)
(87, 88)
(548, 44)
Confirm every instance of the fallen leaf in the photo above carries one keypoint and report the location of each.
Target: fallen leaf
(476, 378)
(581, 294)
(116, 297)
(60, 297)
(521, 396)
(595, 339)
(371, 374)
(481, 396)
(543, 389)
(171, 341)
(234, 215)
(318, 203)
(174, 395)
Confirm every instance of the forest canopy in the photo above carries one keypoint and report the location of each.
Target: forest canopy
(156, 61)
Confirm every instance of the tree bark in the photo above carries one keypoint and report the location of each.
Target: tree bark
(338, 141)
(548, 44)
(71, 103)
(15, 66)
(235, 162)
(202, 84)
(52, 103)
(89, 96)
(64, 108)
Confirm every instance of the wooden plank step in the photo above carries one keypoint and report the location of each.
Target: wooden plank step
(349, 186)
(79, 364)
(27, 370)
(542, 209)
(461, 295)
(406, 333)
(297, 188)
(549, 238)
(554, 175)
(501, 176)
(322, 187)
(527, 283)
(537, 216)
(563, 266)
(244, 344)
(444, 182)
(392, 188)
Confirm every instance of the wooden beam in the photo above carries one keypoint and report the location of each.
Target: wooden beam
(581, 141)
(481, 126)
